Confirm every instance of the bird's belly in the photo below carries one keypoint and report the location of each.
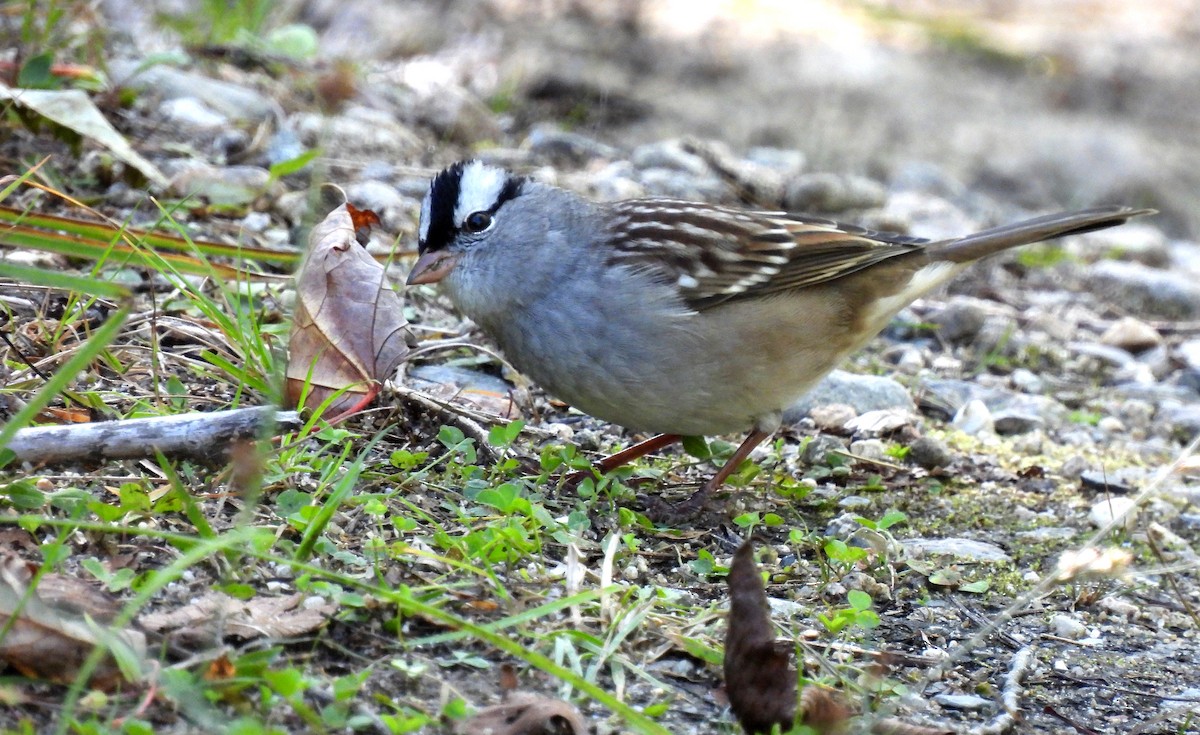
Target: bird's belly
(715, 372)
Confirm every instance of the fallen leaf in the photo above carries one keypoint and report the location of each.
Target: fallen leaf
(53, 629)
(216, 614)
(760, 683)
(349, 330)
(525, 714)
(220, 669)
(73, 109)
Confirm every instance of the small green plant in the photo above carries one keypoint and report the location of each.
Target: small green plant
(857, 614)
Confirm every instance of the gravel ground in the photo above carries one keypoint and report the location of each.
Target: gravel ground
(1005, 418)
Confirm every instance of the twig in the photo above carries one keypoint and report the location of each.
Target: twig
(192, 435)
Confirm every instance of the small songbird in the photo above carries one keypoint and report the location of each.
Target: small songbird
(677, 317)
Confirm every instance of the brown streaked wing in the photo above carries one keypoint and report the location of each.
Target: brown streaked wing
(715, 254)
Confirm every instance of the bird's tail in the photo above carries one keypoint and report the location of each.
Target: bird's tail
(1048, 227)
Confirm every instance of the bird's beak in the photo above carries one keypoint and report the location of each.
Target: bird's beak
(432, 267)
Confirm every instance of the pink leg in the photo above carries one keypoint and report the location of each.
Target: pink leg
(686, 508)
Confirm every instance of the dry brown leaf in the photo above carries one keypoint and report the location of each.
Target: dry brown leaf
(216, 614)
(220, 669)
(823, 710)
(759, 681)
(51, 632)
(349, 329)
(525, 714)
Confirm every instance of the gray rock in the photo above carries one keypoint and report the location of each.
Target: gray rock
(1022, 412)
(930, 453)
(222, 185)
(1146, 292)
(667, 182)
(455, 115)
(669, 154)
(786, 161)
(974, 418)
(826, 192)
(960, 319)
(1131, 335)
(854, 502)
(960, 549)
(427, 376)
(358, 134)
(1112, 355)
(1135, 241)
(232, 100)
(191, 113)
(869, 449)
(561, 145)
(284, 145)
(1016, 421)
(966, 702)
(833, 417)
(1027, 381)
(1049, 533)
(1103, 512)
(820, 447)
(1189, 352)
(1067, 626)
(1181, 420)
(862, 392)
(1125, 479)
(394, 209)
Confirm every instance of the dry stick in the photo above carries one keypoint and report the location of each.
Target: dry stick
(1053, 579)
(191, 435)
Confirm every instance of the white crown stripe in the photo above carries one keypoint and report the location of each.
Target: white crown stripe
(479, 189)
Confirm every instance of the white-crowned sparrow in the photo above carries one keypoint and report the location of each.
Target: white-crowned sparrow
(680, 317)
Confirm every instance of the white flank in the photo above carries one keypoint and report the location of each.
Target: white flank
(924, 280)
(479, 188)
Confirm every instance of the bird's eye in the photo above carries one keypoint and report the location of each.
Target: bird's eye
(477, 222)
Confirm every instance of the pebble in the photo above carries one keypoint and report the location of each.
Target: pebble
(221, 185)
(1015, 421)
(786, 161)
(455, 114)
(1189, 351)
(1182, 420)
(1026, 380)
(236, 102)
(1131, 335)
(358, 133)
(833, 417)
(966, 702)
(1103, 512)
(820, 447)
(1066, 626)
(665, 182)
(669, 154)
(862, 392)
(961, 549)
(191, 113)
(548, 140)
(1048, 533)
(960, 319)
(974, 419)
(883, 421)
(832, 193)
(1134, 241)
(1124, 480)
(1145, 291)
(869, 449)
(394, 209)
(929, 453)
